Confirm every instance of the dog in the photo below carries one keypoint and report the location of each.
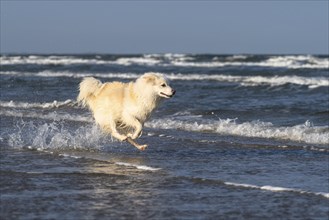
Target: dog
(121, 109)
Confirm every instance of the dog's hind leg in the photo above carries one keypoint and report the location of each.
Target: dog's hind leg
(137, 125)
(111, 129)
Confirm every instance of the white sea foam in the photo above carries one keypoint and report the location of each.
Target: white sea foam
(181, 60)
(276, 189)
(54, 116)
(55, 136)
(296, 62)
(258, 129)
(140, 167)
(71, 74)
(71, 60)
(146, 61)
(68, 155)
(291, 62)
(27, 105)
(48, 60)
(300, 133)
(311, 82)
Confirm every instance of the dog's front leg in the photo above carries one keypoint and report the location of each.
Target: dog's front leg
(132, 142)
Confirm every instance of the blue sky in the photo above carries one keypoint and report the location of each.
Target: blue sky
(223, 27)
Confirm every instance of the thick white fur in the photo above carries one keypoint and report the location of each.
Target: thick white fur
(121, 108)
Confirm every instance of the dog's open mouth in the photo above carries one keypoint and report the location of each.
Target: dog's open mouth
(165, 95)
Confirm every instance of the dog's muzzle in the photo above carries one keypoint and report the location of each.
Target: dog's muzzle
(173, 92)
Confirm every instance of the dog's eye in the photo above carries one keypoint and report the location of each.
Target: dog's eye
(163, 85)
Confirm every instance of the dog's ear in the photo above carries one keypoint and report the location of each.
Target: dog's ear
(149, 78)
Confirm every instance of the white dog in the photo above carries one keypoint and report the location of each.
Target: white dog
(122, 108)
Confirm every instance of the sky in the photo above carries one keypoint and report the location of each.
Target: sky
(123, 27)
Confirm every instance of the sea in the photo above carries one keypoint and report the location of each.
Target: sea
(245, 137)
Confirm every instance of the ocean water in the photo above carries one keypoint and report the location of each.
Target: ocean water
(245, 137)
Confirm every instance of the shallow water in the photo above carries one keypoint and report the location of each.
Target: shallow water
(244, 137)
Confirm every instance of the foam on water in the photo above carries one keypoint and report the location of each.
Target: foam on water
(145, 61)
(179, 60)
(54, 116)
(276, 189)
(48, 60)
(27, 105)
(68, 155)
(311, 82)
(140, 167)
(72, 74)
(291, 62)
(54, 136)
(306, 133)
(258, 129)
(300, 133)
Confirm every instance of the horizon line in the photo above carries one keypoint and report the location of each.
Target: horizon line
(159, 53)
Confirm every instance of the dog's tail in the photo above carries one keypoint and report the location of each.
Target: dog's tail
(89, 88)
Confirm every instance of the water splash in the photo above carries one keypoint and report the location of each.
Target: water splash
(307, 133)
(56, 136)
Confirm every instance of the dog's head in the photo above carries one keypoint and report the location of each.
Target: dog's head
(159, 83)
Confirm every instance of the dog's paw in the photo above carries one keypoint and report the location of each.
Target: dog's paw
(142, 147)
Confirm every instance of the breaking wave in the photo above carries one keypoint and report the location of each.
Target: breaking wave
(55, 136)
(257, 129)
(72, 74)
(27, 105)
(306, 133)
(178, 60)
(137, 166)
(311, 82)
(290, 62)
(276, 189)
(53, 116)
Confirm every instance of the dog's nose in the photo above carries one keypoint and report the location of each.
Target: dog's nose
(173, 92)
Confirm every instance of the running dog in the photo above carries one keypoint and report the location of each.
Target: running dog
(121, 109)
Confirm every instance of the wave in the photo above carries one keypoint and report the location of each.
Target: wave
(53, 116)
(71, 74)
(27, 105)
(311, 82)
(88, 156)
(179, 60)
(54, 136)
(137, 166)
(290, 62)
(257, 129)
(47, 60)
(276, 189)
(306, 133)
(252, 186)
